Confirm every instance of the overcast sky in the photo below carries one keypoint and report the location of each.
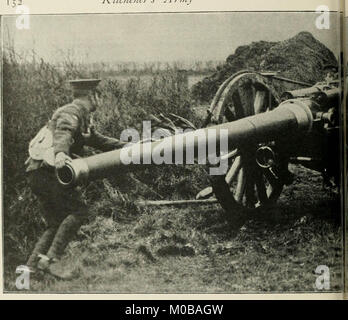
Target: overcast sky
(159, 37)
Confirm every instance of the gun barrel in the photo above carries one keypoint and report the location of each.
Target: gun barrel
(289, 118)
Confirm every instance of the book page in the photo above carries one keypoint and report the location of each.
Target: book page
(161, 149)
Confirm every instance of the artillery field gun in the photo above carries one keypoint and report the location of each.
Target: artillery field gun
(265, 132)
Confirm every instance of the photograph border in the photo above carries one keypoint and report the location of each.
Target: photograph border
(41, 7)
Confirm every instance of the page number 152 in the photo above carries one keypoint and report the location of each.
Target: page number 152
(14, 3)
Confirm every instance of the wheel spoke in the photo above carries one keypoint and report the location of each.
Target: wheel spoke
(227, 103)
(240, 189)
(259, 102)
(230, 155)
(234, 170)
(229, 113)
(237, 102)
(250, 189)
(270, 177)
(250, 170)
(261, 188)
(275, 185)
(269, 101)
(249, 100)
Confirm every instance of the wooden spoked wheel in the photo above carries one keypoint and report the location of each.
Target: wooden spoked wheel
(251, 181)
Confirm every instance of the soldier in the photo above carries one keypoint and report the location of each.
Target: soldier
(64, 137)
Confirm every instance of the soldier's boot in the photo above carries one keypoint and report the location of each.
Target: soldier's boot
(66, 231)
(51, 266)
(41, 247)
(45, 262)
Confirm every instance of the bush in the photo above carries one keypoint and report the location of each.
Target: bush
(33, 89)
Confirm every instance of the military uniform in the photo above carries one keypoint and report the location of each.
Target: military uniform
(63, 208)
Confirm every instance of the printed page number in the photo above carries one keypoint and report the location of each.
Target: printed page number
(14, 3)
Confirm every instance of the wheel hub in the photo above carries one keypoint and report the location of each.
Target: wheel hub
(265, 157)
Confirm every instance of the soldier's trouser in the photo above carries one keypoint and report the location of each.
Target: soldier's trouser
(64, 235)
(42, 246)
(64, 211)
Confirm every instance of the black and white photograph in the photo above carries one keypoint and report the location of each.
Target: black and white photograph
(172, 153)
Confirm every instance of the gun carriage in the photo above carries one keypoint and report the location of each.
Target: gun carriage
(266, 132)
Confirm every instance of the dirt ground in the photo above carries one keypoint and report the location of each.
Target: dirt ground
(194, 250)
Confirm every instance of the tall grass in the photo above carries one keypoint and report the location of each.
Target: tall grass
(32, 91)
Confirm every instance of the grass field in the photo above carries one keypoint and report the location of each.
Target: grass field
(128, 249)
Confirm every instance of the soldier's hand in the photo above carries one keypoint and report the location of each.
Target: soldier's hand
(61, 159)
(90, 132)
